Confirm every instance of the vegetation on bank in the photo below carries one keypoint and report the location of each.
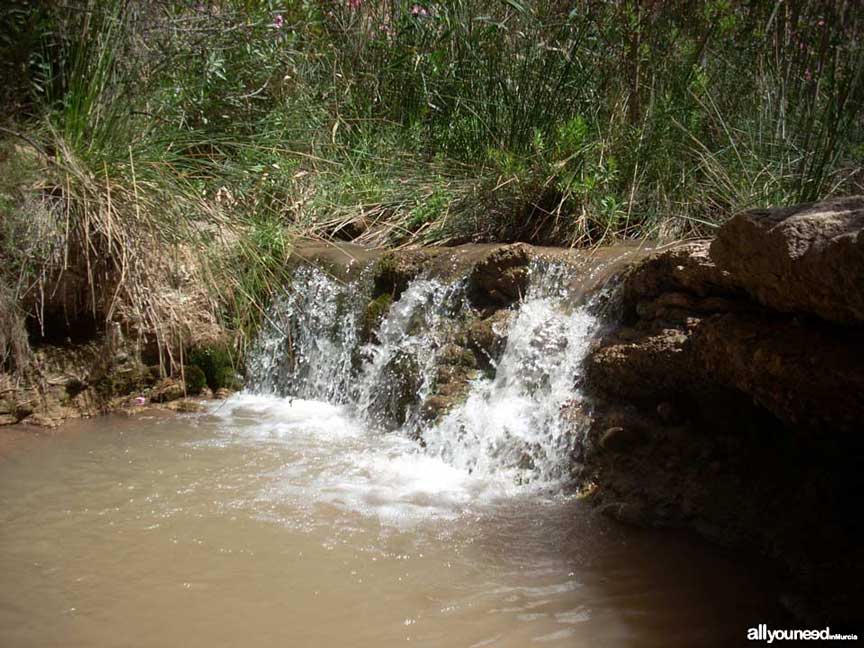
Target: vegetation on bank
(157, 157)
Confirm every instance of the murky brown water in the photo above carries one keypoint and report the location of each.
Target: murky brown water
(276, 523)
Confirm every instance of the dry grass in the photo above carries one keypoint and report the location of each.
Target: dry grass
(15, 354)
(111, 247)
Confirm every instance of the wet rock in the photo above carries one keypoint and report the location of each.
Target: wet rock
(745, 376)
(344, 261)
(166, 390)
(808, 258)
(453, 354)
(399, 384)
(375, 311)
(488, 336)
(435, 406)
(502, 277)
(618, 438)
(186, 406)
(397, 269)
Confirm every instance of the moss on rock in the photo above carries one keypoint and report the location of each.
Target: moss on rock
(227, 378)
(217, 363)
(196, 381)
(374, 313)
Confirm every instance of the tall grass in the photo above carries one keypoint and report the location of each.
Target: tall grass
(181, 146)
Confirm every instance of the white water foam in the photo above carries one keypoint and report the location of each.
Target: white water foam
(332, 459)
(510, 426)
(330, 397)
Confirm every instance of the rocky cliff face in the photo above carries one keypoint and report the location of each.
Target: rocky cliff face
(729, 398)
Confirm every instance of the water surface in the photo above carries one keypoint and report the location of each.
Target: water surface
(279, 522)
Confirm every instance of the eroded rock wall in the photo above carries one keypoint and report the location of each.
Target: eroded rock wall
(729, 398)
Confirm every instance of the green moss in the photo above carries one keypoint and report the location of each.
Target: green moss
(216, 362)
(227, 378)
(375, 312)
(195, 379)
(385, 275)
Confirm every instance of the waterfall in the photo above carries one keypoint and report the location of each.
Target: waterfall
(307, 346)
(508, 427)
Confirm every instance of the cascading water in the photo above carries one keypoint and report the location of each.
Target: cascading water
(509, 427)
(307, 346)
(399, 366)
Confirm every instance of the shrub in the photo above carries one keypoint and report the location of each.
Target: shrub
(227, 378)
(216, 363)
(195, 379)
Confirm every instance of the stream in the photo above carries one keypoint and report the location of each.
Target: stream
(319, 508)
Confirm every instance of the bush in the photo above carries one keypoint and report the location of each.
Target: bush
(195, 379)
(216, 362)
(227, 378)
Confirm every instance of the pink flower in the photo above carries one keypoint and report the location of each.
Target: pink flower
(354, 5)
(278, 21)
(140, 400)
(821, 23)
(807, 75)
(417, 10)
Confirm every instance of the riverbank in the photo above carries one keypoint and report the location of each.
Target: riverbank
(706, 386)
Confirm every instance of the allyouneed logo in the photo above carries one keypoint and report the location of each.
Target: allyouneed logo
(762, 633)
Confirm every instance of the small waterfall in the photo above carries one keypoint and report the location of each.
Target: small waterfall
(508, 427)
(307, 346)
(399, 369)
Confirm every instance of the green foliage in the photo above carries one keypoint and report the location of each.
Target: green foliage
(196, 381)
(217, 364)
(146, 129)
(226, 378)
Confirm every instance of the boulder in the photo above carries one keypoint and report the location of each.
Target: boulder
(396, 269)
(808, 258)
(488, 336)
(802, 372)
(167, 390)
(685, 268)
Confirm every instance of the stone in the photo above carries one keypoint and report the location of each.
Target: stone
(434, 406)
(807, 258)
(396, 269)
(619, 438)
(166, 390)
(684, 269)
(800, 371)
(186, 406)
(488, 336)
(502, 277)
(375, 311)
